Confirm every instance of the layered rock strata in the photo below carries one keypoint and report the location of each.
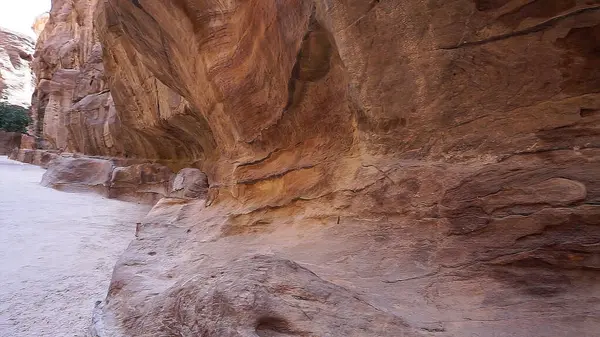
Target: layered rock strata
(73, 107)
(16, 77)
(374, 168)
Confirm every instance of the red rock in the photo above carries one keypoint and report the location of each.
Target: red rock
(28, 142)
(9, 141)
(189, 183)
(143, 182)
(25, 156)
(40, 23)
(78, 175)
(437, 162)
(44, 158)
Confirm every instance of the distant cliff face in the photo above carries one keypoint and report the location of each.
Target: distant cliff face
(40, 23)
(70, 81)
(433, 163)
(73, 107)
(16, 78)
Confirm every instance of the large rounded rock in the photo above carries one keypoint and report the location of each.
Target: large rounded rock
(78, 174)
(189, 183)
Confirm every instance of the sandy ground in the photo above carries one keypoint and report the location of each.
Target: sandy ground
(57, 251)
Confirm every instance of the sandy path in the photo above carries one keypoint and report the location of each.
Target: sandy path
(57, 251)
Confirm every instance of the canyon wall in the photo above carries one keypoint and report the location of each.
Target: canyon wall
(9, 141)
(70, 80)
(16, 78)
(74, 109)
(375, 168)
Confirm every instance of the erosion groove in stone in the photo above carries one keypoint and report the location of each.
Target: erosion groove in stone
(334, 168)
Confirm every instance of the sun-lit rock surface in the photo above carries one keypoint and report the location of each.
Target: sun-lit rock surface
(40, 23)
(68, 69)
(16, 78)
(435, 161)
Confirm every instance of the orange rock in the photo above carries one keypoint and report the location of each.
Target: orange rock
(40, 23)
(406, 152)
(9, 141)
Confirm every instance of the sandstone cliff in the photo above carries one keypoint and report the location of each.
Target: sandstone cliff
(70, 80)
(73, 107)
(375, 168)
(40, 23)
(16, 78)
(9, 141)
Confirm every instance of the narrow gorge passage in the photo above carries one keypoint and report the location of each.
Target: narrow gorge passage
(57, 250)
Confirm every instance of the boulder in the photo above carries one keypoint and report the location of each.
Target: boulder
(14, 154)
(142, 182)
(78, 175)
(28, 142)
(189, 183)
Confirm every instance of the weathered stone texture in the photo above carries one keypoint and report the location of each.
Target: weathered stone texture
(189, 183)
(426, 166)
(9, 141)
(74, 174)
(147, 183)
(16, 78)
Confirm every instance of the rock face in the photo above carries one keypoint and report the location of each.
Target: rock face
(16, 78)
(73, 108)
(40, 23)
(264, 296)
(147, 183)
(70, 90)
(429, 167)
(9, 141)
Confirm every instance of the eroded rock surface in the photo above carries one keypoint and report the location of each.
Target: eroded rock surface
(260, 296)
(189, 183)
(436, 161)
(148, 182)
(40, 23)
(78, 174)
(476, 247)
(16, 77)
(9, 141)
